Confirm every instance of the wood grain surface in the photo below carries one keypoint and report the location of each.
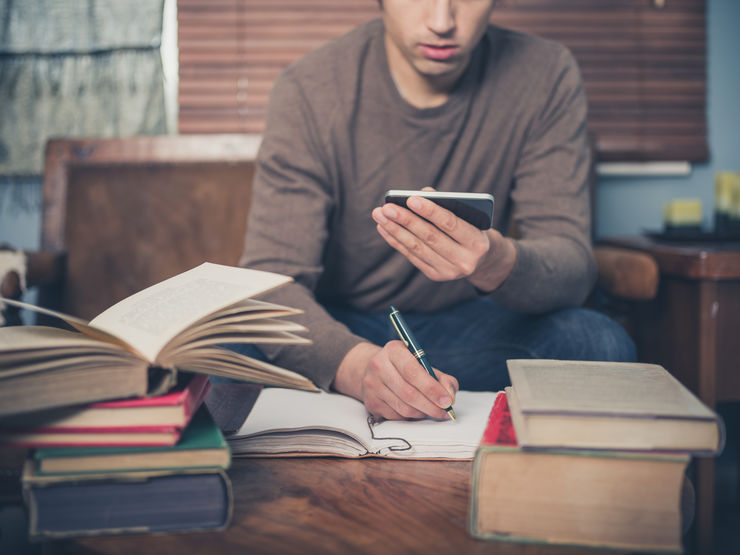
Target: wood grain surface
(332, 506)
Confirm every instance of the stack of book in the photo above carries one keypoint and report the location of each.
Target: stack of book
(141, 487)
(119, 437)
(589, 453)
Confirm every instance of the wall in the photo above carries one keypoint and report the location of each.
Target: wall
(632, 205)
(625, 205)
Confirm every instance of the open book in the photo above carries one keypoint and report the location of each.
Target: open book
(285, 422)
(136, 347)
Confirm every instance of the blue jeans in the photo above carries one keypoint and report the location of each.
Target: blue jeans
(473, 339)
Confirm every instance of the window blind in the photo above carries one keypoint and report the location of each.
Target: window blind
(644, 67)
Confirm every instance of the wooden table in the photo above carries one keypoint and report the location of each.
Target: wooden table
(692, 328)
(332, 506)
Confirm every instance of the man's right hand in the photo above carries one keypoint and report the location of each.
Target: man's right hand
(392, 384)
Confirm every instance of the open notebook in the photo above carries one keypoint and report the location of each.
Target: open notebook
(286, 422)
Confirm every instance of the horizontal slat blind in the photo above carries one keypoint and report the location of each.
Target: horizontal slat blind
(231, 51)
(644, 68)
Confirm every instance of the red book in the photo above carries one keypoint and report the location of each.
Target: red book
(144, 421)
(500, 429)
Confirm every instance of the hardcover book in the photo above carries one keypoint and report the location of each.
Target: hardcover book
(285, 422)
(99, 423)
(201, 446)
(626, 500)
(68, 506)
(136, 347)
(608, 405)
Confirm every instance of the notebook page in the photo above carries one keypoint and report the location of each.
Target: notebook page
(442, 439)
(283, 410)
(286, 420)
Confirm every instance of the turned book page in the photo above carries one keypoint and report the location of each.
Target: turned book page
(149, 319)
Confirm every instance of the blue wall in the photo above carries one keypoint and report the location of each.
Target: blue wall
(632, 205)
(625, 205)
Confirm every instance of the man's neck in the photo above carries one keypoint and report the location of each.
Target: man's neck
(420, 97)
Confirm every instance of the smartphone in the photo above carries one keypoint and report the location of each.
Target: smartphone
(474, 208)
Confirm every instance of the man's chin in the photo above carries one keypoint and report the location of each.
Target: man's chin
(433, 69)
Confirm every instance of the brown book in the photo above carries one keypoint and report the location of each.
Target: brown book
(608, 499)
(136, 347)
(608, 405)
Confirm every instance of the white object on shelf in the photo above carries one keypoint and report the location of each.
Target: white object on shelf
(636, 169)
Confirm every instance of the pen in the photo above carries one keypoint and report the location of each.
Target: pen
(410, 341)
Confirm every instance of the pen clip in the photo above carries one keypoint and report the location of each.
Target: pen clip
(398, 330)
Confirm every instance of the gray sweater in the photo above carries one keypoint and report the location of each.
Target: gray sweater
(339, 135)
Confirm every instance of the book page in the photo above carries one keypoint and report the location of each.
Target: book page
(77, 323)
(149, 319)
(28, 349)
(25, 338)
(602, 388)
(218, 361)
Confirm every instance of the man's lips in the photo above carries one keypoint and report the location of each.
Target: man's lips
(439, 51)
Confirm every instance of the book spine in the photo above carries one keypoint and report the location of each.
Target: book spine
(196, 397)
(499, 429)
(169, 437)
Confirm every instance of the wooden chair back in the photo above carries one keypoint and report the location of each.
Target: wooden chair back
(129, 212)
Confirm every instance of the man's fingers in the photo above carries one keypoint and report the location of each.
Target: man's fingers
(423, 244)
(415, 387)
(440, 217)
(448, 382)
(433, 272)
(475, 243)
(386, 402)
(445, 251)
(382, 410)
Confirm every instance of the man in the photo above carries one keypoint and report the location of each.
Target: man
(429, 96)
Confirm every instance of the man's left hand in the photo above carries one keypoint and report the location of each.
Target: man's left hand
(445, 247)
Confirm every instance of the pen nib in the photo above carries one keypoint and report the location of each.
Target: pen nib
(451, 412)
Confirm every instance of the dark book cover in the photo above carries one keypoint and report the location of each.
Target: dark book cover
(126, 503)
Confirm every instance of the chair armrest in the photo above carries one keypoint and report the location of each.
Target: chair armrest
(627, 273)
(45, 268)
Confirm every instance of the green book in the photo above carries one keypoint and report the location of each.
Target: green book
(201, 446)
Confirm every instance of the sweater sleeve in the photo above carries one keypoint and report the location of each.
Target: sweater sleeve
(551, 200)
(288, 226)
